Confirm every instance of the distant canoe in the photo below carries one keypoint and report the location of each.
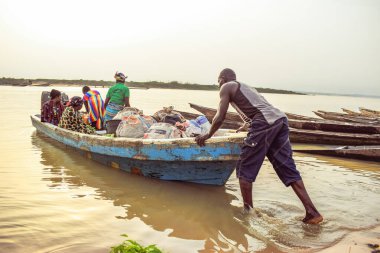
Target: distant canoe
(332, 138)
(210, 112)
(335, 126)
(368, 153)
(40, 83)
(347, 118)
(166, 159)
(369, 112)
(350, 112)
(301, 117)
(301, 122)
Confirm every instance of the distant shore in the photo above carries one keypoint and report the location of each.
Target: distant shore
(131, 84)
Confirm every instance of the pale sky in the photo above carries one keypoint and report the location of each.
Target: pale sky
(302, 45)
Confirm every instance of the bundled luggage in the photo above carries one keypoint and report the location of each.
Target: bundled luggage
(162, 131)
(164, 124)
(130, 127)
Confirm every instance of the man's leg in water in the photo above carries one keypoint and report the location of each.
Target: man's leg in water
(281, 156)
(312, 215)
(246, 192)
(252, 156)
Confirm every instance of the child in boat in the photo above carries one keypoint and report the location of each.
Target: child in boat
(71, 118)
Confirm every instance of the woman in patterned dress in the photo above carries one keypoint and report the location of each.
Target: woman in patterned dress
(72, 120)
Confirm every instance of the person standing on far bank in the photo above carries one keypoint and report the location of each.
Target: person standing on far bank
(268, 136)
(117, 97)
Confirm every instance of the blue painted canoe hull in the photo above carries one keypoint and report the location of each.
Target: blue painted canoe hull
(175, 159)
(209, 172)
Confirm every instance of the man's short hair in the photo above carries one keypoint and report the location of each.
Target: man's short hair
(85, 89)
(54, 93)
(228, 74)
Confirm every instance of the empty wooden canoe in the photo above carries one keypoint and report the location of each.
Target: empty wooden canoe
(369, 153)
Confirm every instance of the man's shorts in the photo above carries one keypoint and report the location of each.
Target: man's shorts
(271, 141)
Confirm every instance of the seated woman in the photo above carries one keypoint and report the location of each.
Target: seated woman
(71, 118)
(52, 110)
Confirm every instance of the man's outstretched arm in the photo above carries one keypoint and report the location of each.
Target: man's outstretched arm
(218, 119)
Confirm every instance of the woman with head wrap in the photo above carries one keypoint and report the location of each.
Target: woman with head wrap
(52, 110)
(71, 118)
(117, 97)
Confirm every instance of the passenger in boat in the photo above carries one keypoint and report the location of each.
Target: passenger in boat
(117, 97)
(71, 118)
(52, 110)
(268, 136)
(94, 105)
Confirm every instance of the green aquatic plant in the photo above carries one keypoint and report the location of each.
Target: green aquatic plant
(131, 246)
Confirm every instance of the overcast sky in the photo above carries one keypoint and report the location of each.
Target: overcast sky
(303, 45)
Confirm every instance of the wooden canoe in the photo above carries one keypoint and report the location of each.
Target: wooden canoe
(302, 117)
(369, 112)
(350, 112)
(347, 118)
(332, 138)
(210, 112)
(300, 122)
(368, 153)
(167, 159)
(312, 134)
(362, 117)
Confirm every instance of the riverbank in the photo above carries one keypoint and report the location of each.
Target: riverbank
(356, 242)
(136, 85)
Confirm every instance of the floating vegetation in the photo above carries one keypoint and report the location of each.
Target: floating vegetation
(131, 246)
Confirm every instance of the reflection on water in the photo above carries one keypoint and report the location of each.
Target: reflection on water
(54, 200)
(187, 211)
(213, 215)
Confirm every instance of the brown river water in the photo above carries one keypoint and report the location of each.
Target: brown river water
(54, 200)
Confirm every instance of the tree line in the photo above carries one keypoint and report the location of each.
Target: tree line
(132, 84)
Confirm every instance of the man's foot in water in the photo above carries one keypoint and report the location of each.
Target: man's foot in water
(313, 218)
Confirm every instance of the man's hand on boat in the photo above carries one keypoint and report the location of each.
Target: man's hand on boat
(201, 139)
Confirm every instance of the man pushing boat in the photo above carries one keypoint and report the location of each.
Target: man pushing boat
(268, 136)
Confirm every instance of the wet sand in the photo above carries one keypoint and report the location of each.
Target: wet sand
(356, 242)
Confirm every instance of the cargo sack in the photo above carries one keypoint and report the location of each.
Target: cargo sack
(162, 131)
(161, 114)
(189, 128)
(172, 119)
(126, 112)
(193, 129)
(147, 121)
(203, 123)
(131, 127)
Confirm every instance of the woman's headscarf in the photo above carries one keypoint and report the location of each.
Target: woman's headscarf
(76, 101)
(120, 77)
